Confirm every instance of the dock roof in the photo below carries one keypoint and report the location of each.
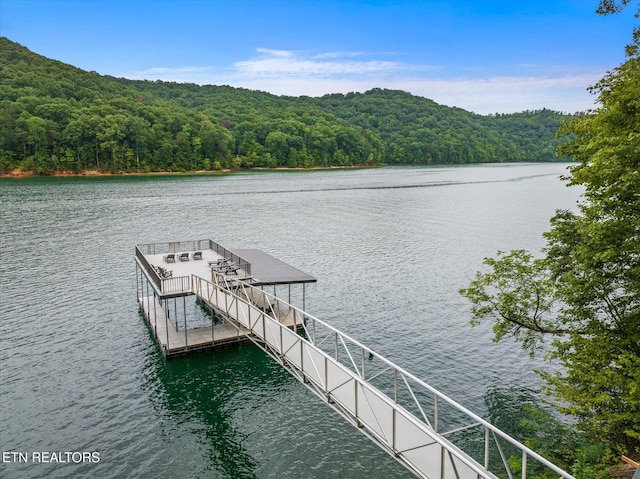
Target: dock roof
(266, 269)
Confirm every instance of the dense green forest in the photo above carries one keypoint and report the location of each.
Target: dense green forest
(57, 118)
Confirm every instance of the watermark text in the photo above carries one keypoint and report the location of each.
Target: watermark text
(51, 457)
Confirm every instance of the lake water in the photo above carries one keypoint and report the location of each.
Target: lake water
(79, 371)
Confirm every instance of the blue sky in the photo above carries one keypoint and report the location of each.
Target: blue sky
(483, 56)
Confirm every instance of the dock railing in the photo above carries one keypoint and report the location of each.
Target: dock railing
(391, 405)
(195, 245)
(177, 246)
(151, 273)
(182, 284)
(179, 284)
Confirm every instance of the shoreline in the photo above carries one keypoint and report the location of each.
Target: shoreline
(94, 173)
(16, 173)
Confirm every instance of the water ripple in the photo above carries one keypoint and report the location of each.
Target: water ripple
(390, 248)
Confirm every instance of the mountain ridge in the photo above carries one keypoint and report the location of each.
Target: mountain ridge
(55, 117)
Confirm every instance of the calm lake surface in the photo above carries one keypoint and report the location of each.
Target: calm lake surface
(390, 247)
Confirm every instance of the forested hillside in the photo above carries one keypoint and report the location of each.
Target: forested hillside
(55, 117)
(418, 130)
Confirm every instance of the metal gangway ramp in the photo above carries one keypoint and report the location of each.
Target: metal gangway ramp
(422, 428)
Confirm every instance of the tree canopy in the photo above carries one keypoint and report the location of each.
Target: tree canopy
(55, 117)
(584, 290)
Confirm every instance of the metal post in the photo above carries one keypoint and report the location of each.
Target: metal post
(524, 464)
(166, 321)
(295, 322)
(155, 311)
(304, 377)
(355, 382)
(281, 344)
(395, 386)
(175, 311)
(184, 313)
(486, 448)
(326, 378)
(435, 413)
(145, 297)
(237, 319)
(315, 340)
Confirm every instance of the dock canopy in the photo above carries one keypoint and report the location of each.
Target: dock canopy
(266, 269)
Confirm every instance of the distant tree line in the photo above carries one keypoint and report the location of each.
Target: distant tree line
(55, 117)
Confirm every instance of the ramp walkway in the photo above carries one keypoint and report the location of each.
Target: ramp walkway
(425, 430)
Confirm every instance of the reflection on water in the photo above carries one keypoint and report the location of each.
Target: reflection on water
(199, 393)
(390, 248)
(232, 402)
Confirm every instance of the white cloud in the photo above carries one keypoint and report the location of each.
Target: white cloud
(508, 94)
(289, 72)
(288, 63)
(338, 55)
(275, 53)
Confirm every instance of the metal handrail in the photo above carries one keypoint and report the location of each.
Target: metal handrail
(261, 320)
(179, 284)
(243, 291)
(151, 273)
(194, 245)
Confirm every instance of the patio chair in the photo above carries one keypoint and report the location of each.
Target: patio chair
(169, 258)
(164, 273)
(184, 256)
(197, 255)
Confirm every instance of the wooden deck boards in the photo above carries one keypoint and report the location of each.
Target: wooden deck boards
(174, 342)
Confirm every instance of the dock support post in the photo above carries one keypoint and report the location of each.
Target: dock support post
(184, 314)
(166, 322)
(155, 312)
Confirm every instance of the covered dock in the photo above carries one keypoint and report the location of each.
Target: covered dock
(180, 322)
(422, 428)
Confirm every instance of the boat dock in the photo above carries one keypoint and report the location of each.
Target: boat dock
(198, 295)
(182, 323)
